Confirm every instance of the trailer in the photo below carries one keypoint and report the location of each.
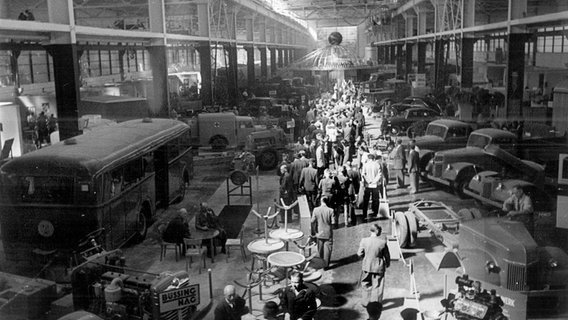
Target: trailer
(442, 221)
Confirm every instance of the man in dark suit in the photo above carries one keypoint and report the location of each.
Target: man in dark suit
(376, 258)
(232, 307)
(298, 301)
(287, 192)
(399, 162)
(413, 166)
(322, 219)
(296, 168)
(309, 182)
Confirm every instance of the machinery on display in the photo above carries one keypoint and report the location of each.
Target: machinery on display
(107, 289)
(470, 302)
(497, 252)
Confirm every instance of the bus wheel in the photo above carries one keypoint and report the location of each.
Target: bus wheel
(183, 187)
(268, 160)
(142, 226)
(219, 143)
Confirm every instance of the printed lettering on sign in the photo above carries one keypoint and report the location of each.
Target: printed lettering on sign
(179, 298)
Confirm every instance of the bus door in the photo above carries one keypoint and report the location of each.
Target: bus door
(174, 169)
(133, 188)
(114, 215)
(562, 200)
(162, 179)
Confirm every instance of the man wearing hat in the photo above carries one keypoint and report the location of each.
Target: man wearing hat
(399, 162)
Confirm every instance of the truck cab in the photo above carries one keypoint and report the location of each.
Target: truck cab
(456, 167)
(221, 130)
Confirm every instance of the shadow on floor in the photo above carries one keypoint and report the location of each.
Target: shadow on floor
(343, 261)
(331, 293)
(341, 313)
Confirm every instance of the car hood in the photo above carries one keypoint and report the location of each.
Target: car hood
(461, 152)
(428, 142)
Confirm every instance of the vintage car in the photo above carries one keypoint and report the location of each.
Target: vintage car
(399, 124)
(422, 102)
(456, 167)
(441, 134)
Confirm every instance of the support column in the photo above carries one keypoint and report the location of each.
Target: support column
(280, 58)
(380, 54)
(439, 66)
(515, 73)
(399, 59)
(517, 37)
(250, 65)
(232, 83)
(467, 43)
(204, 50)
(272, 61)
(263, 64)
(422, 57)
(67, 85)
(66, 71)
(159, 104)
(392, 54)
(409, 69)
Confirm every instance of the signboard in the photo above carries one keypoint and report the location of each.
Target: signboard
(179, 298)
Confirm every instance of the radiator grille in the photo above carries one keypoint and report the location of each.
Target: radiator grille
(516, 277)
(437, 170)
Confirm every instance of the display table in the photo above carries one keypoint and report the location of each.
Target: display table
(197, 234)
(286, 235)
(286, 259)
(265, 246)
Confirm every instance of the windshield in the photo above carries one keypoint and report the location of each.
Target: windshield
(477, 140)
(436, 130)
(42, 189)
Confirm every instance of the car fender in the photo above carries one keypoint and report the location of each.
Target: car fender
(452, 173)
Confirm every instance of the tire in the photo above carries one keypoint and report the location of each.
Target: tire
(410, 132)
(184, 185)
(461, 183)
(219, 143)
(142, 226)
(402, 229)
(412, 228)
(268, 160)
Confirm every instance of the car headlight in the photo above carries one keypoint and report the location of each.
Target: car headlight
(448, 167)
(500, 186)
(552, 263)
(477, 178)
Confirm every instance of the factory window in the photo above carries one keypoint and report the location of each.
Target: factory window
(42, 66)
(557, 45)
(24, 67)
(114, 59)
(6, 78)
(105, 62)
(94, 63)
(548, 42)
(540, 44)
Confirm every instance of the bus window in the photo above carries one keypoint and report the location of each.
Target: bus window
(148, 162)
(116, 180)
(132, 172)
(45, 189)
(173, 149)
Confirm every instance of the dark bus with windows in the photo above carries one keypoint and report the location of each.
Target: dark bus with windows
(113, 178)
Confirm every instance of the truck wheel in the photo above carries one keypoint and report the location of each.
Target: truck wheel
(412, 228)
(402, 228)
(268, 160)
(219, 143)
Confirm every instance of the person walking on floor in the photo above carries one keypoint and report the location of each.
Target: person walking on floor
(309, 182)
(372, 181)
(376, 258)
(399, 162)
(413, 167)
(321, 226)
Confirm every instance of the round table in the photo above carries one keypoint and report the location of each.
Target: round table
(286, 259)
(286, 235)
(265, 246)
(197, 234)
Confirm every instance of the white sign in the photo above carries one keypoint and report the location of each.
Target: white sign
(179, 298)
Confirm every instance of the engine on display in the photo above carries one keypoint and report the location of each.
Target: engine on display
(115, 292)
(470, 302)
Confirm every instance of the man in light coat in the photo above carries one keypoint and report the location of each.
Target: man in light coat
(322, 219)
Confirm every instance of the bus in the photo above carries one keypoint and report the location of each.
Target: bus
(115, 178)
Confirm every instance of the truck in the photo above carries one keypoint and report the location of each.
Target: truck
(220, 130)
(456, 167)
(499, 253)
(441, 134)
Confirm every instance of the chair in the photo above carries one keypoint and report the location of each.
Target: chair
(194, 248)
(165, 246)
(238, 242)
